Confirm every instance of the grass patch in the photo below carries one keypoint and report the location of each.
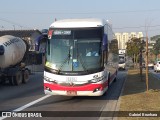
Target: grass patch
(135, 97)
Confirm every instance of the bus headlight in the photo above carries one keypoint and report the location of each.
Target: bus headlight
(49, 79)
(96, 80)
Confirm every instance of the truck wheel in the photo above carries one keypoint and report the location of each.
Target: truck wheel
(2, 80)
(25, 76)
(18, 78)
(11, 80)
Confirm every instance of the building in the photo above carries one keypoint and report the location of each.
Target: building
(140, 35)
(118, 37)
(125, 36)
(133, 35)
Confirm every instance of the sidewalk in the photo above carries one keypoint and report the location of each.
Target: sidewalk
(135, 98)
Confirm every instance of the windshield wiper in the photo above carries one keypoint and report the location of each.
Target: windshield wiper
(65, 61)
(81, 61)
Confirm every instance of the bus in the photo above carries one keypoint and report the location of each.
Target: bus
(79, 61)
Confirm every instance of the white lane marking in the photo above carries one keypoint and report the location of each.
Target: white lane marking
(28, 105)
(31, 103)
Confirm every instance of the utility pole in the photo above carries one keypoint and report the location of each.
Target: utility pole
(146, 61)
(146, 30)
(13, 27)
(140, 64)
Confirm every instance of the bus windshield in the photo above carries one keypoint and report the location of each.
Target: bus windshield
(75, 50)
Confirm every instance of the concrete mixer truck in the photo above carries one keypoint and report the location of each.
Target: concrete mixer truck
(12, 52)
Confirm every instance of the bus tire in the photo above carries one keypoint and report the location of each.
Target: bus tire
(25, 76)
(115, 79)
(108, 80)
(104, 94)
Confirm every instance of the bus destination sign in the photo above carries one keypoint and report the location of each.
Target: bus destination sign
(62, 32)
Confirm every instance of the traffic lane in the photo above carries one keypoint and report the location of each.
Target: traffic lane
(83, 101)
(113, 96)
(8, 91)
(107, 102)
(66, 103)
(12, 97)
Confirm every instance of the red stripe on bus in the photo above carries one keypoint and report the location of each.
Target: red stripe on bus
(89, 87)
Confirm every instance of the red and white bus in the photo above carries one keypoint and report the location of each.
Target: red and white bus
(79, 59)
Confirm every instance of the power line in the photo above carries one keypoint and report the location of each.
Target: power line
(136, 27)
(154, 30)
(13, 23)
(107, 12)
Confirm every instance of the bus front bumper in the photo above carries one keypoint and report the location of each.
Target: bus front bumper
(87, 90)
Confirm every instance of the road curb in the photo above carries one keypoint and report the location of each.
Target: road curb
(119, 100)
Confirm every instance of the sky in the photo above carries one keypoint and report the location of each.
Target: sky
(124, 15)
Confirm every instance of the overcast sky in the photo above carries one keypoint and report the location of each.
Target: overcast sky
(125, 15)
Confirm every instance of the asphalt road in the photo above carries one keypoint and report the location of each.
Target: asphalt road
(30, 97)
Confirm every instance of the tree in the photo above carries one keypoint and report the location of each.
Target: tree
(133, 48)
(156, 48)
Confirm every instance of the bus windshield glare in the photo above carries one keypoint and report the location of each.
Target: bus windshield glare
(75, 50)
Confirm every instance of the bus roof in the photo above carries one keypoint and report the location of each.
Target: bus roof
(74, 23)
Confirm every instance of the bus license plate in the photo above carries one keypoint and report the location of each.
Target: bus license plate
(71, 93)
